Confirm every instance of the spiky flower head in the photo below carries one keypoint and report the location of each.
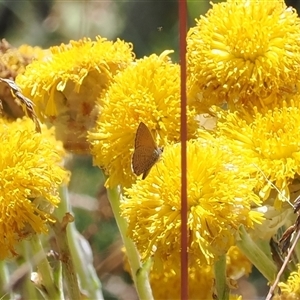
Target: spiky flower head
(237, 264)
(291, 288)
(30, 174)
(220, 196)
(244, 53)
(270, 142)
(66, 86)
(149, 92)
(165, 284)
(13, 62)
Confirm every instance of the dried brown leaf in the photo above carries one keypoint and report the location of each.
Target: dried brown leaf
(26, 103)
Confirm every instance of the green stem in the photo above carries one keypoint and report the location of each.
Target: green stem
(258, 257)
(139, 277)
(69, 274)
(4, 280)
(44, 269)
(220, 275)
(25, 260)
(82, 260)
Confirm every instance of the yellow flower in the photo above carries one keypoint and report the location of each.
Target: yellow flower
(165, 284)
(30, 174)
(270, 142)
(13, 62)
(291, 288)
(235, 297)
(237, 264)
(220, 197)
(147, 91)
(33, 53)
(66, 86)
(244, 53)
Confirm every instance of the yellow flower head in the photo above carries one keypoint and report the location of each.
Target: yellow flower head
(30, 174)
(166, 284)
(291, 288)
(235, 297)
(237, 264)
(13, 62)
(244, 52)
(219, 201)
(147, 91)
(65, 87)
(270, 142)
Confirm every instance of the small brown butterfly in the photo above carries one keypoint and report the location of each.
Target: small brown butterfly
(146, 153)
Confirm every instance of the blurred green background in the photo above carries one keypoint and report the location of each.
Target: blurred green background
(152, 27)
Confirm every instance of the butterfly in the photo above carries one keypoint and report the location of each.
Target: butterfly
(146, 152)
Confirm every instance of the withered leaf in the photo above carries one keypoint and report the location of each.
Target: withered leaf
(26, 103)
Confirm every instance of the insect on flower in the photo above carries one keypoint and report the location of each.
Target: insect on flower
(146, 152)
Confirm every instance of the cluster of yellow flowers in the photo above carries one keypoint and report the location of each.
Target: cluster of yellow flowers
(243, 174)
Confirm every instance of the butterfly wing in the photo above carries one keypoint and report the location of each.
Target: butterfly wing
(146, 152)
(156, 156)
(144, 158)
(144, 137)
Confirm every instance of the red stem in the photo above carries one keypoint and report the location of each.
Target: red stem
(183, 130)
